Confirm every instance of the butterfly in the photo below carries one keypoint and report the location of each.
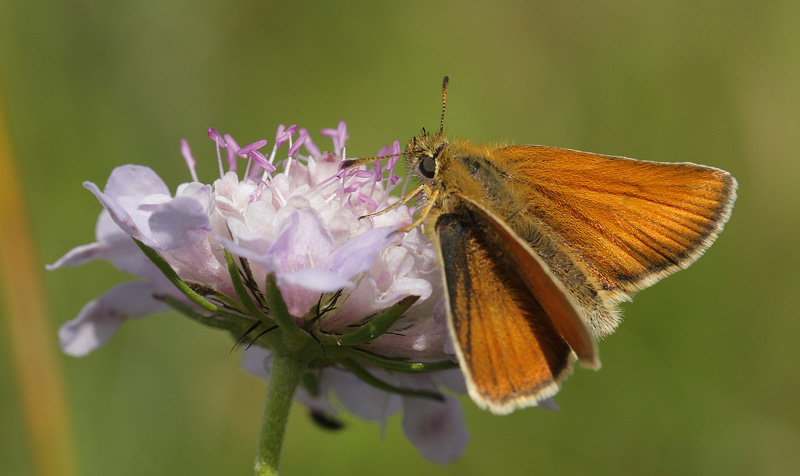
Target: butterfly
(538, 245)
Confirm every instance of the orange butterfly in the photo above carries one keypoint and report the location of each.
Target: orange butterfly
(538, 245)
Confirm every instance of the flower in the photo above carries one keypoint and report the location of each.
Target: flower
(364, 303)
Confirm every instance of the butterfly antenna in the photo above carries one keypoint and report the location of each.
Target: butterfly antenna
(350, 163)
(445, 82)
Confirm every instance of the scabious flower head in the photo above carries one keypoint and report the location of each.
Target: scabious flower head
(367, 299)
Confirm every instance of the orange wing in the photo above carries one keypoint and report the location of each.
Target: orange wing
(509, 349)
(630, 222)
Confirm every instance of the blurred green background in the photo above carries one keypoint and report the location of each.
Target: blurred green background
(703, 377)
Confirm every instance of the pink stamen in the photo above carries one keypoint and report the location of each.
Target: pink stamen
(312, 148)
(189, 158)
(338, 135)
(231, 149)
(216, 137)
(284, 134)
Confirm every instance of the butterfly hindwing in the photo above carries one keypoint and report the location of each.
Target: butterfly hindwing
(509, 350)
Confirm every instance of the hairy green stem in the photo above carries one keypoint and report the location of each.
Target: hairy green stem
(287, 370)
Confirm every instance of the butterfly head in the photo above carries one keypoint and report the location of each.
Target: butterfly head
(424, 153)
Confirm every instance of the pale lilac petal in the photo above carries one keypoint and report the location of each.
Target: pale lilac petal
(201, 192)
(284, 242)
(549, 404)
(302, 239)
(364, 400)
(212, 271)
(121, 217)
(358, 254)
(129, 196)
(81, 255)
(178, 223)
(134, 181)
(299, 300)
(250, 247)
(113, 245)
(100, 319)
(108, 230)
(321, 402)
(352, 258)
(435, 428)
(121, 251)
(257, 361)
(453, 380)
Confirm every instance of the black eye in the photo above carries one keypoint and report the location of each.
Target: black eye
(427, 167)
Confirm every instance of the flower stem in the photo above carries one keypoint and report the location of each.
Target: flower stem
(287, 370)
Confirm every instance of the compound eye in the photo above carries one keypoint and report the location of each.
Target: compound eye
(427, 167)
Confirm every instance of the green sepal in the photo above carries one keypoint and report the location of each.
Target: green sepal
(370, 379)
(217, 321)
(401, 364)
(372, 328)
(250, 283)
(241, 290)
(310, 382)
(173, 277)
(206, 291)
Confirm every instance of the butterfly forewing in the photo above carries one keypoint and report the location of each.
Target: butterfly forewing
(631, 222)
